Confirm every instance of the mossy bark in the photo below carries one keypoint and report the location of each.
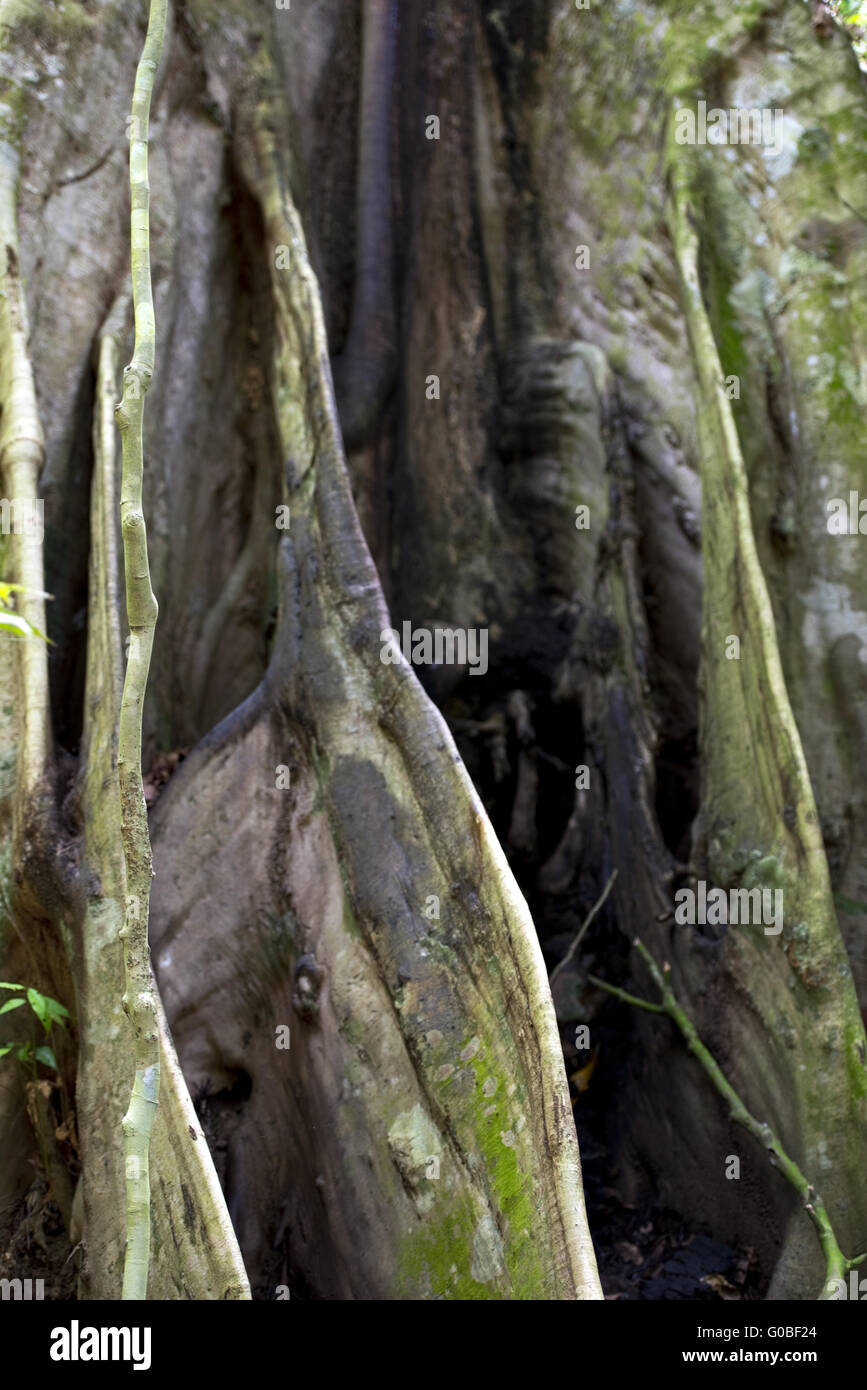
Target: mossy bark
(558, 387)
(464, 1173)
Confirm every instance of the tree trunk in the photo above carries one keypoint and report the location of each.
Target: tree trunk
(345, 847)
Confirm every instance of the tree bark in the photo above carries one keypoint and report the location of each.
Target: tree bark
(415, 1138)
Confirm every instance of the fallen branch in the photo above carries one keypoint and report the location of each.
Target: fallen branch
(579, 936)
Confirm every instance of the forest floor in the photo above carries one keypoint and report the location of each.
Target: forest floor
(644, 1251)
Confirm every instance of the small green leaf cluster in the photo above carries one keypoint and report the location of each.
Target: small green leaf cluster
(853, 13)
(49, 1011)
(12, 622)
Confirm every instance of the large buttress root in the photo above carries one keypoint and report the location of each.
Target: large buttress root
(791, 1002)
(424, 1140)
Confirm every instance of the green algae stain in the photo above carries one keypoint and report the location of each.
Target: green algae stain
(436, 1261)
(490, 1246)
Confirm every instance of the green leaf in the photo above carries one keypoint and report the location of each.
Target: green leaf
(39, 1005)
(11, 622)
(47, 1010)
(23, 1051)
(20, 627)
(4, 1050)
(56, 1011)
(11, 1004)
(6, 589)
(4, 984)
(38, 633)
(46, 1056)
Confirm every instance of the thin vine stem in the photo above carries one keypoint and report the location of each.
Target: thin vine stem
(139, 999)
